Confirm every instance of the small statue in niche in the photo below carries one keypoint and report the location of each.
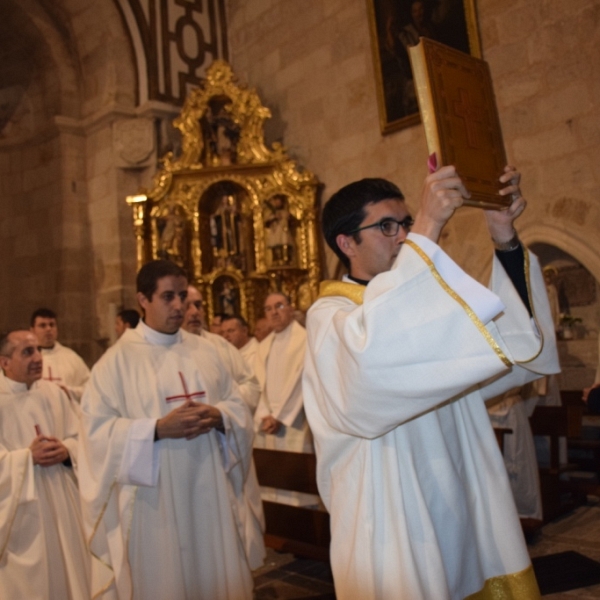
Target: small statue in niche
(228, 299)
(225, 233)
(279, 234)
(173, 237)
(227, 296)
(221, 132)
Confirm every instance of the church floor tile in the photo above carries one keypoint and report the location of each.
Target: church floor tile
(285, 577)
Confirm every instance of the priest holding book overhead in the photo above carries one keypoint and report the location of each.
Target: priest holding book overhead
(401, 355)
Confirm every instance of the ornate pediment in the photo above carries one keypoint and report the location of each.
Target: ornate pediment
(239, 216)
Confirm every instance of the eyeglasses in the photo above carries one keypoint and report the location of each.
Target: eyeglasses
(278, 306)
(389, 227)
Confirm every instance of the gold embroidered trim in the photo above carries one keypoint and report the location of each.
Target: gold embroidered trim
(476, 321)
(103, 562)
(530, 296)
(352, 291)
(93, 535)
(515, 586)
(129, 532)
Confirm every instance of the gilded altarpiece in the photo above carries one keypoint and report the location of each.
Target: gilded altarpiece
(241, 218)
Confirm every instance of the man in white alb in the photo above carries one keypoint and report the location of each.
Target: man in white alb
(166, 446)
(262, 328)
(126, 319)
(62, 365)
(235, 331)
(251, 509)
(280, 422)
(401, 355)
(42, 546)
(241, 371)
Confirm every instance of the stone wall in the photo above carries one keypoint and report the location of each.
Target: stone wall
(66, 75)
(68, 79)
(311, 62)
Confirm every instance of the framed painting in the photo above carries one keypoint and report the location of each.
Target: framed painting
(395, 26)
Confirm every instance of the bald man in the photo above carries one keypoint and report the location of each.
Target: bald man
(42, 546)
(280, 421)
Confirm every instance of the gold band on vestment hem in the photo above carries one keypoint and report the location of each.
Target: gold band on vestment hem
(470, 313)
(514, 586)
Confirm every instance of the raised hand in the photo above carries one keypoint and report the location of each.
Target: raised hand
(442, 194)
(501, 222)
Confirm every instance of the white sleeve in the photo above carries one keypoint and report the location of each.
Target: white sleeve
(140, 461)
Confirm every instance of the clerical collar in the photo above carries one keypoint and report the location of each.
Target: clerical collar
(284, 333)
(158, 338)
(16, 387)
(356, 280)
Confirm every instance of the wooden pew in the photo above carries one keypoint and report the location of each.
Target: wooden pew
(585, 450)
(555, 422)
(301, 531)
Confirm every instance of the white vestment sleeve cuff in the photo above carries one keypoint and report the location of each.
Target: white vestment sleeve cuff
(139, 465)
(28, 492)
(228, 456)
(484, 303)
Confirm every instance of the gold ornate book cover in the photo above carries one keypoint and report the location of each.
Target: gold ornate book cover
(458, 108)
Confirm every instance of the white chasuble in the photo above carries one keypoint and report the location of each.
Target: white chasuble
(241, 370)
(42, 547)
(248, 351)
(408, 465)
(63, 366)
(278, 367)
(163, 517)
(251, 509)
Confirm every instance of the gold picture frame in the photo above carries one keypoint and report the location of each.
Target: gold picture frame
(393, 29)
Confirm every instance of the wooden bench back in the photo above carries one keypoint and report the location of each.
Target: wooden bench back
(556, 422)
(301, 531)
(293, 471)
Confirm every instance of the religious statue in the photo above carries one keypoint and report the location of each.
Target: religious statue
(225, 226)
(173, 238)
(279, 236)
(222, 134)
(228, 299)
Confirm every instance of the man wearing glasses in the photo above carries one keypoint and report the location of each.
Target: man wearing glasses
(401, 355)
(279, 419)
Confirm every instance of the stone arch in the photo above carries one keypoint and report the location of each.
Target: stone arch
(580, 249)
(67, 72)
(105, 53)
(37, 69)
